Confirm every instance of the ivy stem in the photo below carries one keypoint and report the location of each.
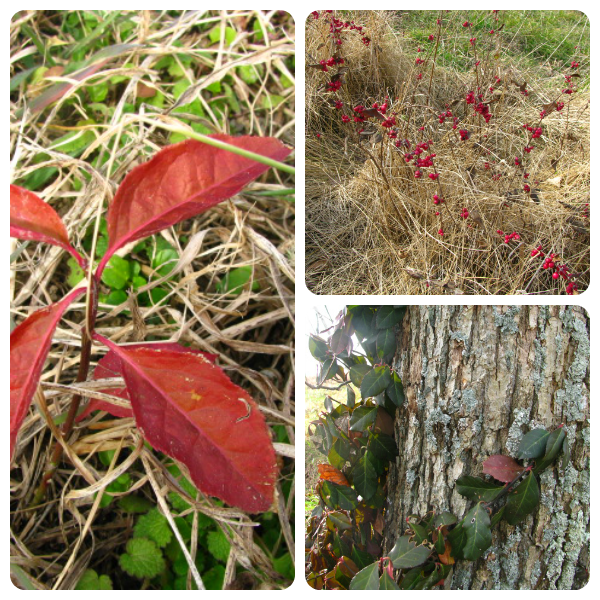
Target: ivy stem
(508, 487)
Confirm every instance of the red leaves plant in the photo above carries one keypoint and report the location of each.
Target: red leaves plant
(184, 405)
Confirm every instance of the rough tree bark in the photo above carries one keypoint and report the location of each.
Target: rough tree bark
(476, 379)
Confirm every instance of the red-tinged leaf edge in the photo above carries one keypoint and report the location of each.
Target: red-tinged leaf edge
(191, 411)
(109, 366)
(33, 219)
(29, 345)
(182, 181)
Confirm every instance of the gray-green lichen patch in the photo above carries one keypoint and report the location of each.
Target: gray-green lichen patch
(515, 434)
(585, 436)
(577, 536)
(410, 477)
(571, 401)
(569, 479)
(454, 403)
(477, 425)
(506, 321)
(509, 559)
(573, 398)
(547, 485)
(509, 356)
(538, 373)
(567, 536)
(435, 417)
(536, 572)
(469, 400)
(461, 337)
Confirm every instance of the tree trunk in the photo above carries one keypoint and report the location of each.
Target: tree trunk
(477, 378)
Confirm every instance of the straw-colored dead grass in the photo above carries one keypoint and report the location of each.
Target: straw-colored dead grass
(371, 226)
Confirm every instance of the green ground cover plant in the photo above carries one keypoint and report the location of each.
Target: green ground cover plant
(153, 554)
(154, 375)
(447, 152)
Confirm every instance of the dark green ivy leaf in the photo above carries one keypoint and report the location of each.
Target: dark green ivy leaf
(387, 583)
(477, 527)
(413, 578)
(364, 476)
(317, 347)
(395, 391)
(375, 382)
(338, 520)
(553, 448)
(458, 538)
(336, 496)
(445, 518)
(350, 397)
(406, 554)
(440, 542)
(362, 417)
(358, 372)
(439, 572)
(328, 370)
(555, 443)
(386, 343)
(477, 489)
(523, 500)
(533, 444)
(420, 533)
(367, 579)
(383, 446)
(388, 316)
(497, 516)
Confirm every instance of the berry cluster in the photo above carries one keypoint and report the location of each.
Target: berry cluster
(551, 262)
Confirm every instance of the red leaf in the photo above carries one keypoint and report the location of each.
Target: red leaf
(180, 182)
(33, 219)
(330, 473)
(188, 408)
(502, 468)
(109, 366)
(29, 346)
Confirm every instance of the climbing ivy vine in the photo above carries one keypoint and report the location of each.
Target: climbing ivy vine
(344, 537)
